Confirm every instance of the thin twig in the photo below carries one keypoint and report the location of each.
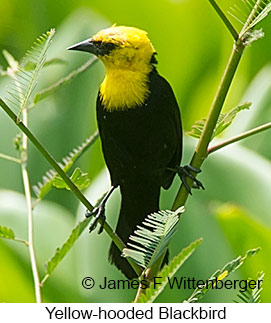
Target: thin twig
(22, 241)
(44, 280)
(29, 212)
(7, 157)
(239, 137)
(225, 19)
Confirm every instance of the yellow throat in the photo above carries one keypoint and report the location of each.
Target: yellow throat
(127, 67)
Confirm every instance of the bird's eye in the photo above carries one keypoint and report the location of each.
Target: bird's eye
(109, 46)
(104, 48)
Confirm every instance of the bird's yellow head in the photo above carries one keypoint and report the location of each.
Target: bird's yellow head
(128, 55)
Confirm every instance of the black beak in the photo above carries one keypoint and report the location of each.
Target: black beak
(85, 46)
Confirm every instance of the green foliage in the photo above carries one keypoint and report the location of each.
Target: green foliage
(152, 292)
(65, 248)
(48, 180)
(6, 233)
(259, 10)
(25, 80)
(80, 179)
(252, 295)
(152, 237)
(62, 82)
(219, 275)
(224, 121)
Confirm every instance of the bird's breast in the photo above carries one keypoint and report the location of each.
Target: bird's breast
(124, 89)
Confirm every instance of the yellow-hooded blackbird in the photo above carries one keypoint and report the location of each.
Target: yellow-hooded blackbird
(140, 127)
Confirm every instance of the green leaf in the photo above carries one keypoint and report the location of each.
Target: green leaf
(26, 81)
(6, 233)
(42, 188)
(61, 252)
(252, 295)
(219, 275)
(224, 121)
(152, 243)
(80, 179)
(259, 11)
(151, 293)
(250, 13)
(63, 81)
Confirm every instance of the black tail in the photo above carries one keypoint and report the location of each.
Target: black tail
(138, 200)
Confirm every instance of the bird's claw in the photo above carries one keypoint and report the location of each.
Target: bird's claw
(184, 172)
(99, 213)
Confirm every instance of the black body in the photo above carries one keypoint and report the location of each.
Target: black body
(139, 146)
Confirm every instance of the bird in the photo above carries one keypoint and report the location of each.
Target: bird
(140, 128)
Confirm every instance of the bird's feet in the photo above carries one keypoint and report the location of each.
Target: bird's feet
(99, 214)
(184, 172)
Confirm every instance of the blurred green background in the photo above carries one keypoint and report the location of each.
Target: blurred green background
(232, 214)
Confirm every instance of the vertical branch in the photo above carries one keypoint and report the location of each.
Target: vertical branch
(27, 190)
(201, 150)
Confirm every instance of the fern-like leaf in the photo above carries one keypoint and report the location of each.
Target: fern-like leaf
(252, 295)
(224, 121)
(80, 179)
(62, 82)
(43, 187)
(61, 252)
(220, 275)
(152, 237)
(250, 13)
(25, 80)
(168, 271)
(6, 233)
(259, 11)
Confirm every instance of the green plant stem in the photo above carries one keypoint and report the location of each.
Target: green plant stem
(29, 212)
(239, 137)
(225, 20)
(150, 273)
(201, 150)
(7, 157)
(118, 242)
(44, 280)
(22, 241)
